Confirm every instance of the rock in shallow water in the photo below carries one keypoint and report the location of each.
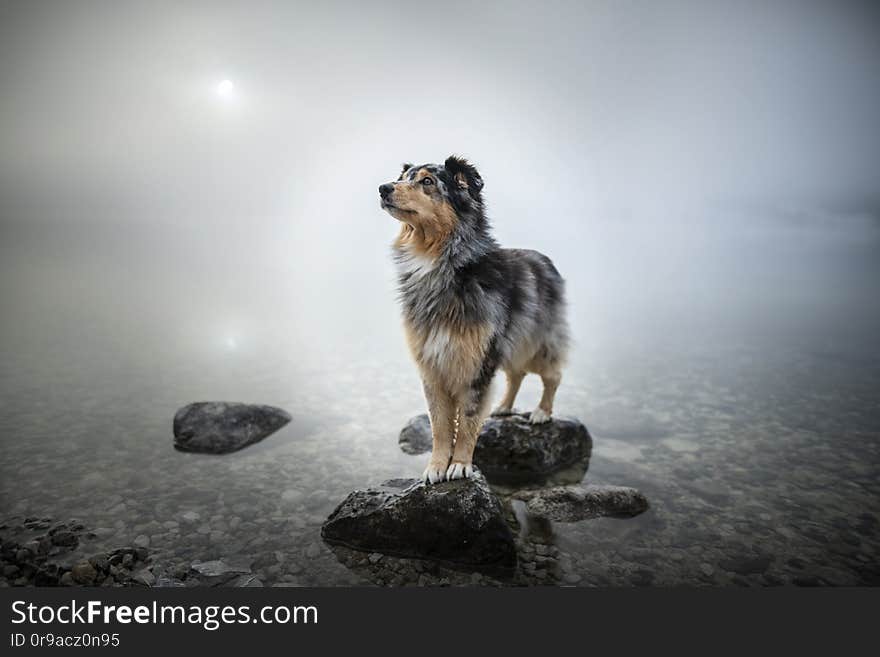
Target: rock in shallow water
(28, 557)
(459, 523)
(575, 503)
(223, 427)
(233, 571)
(220, 567)
(415, 437)
(512, 451)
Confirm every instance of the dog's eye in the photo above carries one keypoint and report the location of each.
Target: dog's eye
(427, 181)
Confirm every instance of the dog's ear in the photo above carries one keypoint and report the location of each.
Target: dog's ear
(406, 167)
(464, 174)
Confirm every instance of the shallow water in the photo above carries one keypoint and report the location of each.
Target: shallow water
(759, 451)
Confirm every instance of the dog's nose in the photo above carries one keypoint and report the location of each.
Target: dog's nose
(386, 189)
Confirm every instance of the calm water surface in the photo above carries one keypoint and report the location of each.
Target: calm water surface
(759, 449)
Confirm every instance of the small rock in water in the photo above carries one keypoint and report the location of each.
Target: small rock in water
(415, 437)
(249, 581)
(292, 495)
(575, 503)
(510, 450)
(168, 582)
(220, 567)
(84, 573)
(223, 427)
(746, 565)
(459, 523)
(144, 577)
(64, 538)
(142, 541)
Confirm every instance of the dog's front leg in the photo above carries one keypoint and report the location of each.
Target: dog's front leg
(442, 409)
(473, 412)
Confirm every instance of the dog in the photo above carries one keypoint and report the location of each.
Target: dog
(470, 308)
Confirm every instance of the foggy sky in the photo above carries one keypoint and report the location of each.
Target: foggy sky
(676, 154)
(109, 108)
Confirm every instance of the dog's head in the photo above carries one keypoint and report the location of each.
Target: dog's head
(434, 197)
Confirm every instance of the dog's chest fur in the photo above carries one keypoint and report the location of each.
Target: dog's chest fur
(446, 354)
(446, 341)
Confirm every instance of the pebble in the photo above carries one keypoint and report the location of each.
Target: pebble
(84, 573)
(292, 495)
(144, 577)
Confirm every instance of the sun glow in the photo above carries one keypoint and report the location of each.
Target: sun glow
(225, 89)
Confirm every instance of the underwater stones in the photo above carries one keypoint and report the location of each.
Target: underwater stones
(235, 571)
(576, 503)
(84, 573)
(223, 427)
(511, 451)
(63, 537)
(746, 564)
(36, 563)
(459, 523)
(144, 577)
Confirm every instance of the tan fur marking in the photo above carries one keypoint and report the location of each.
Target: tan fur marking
(428, 219)
(442, 411)
(412, 340)
(551, 383)
(468, 433)
(449, 357)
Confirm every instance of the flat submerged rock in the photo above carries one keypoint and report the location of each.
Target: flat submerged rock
(224, 427)
(576, 503)
(460, 523)
(510, 450)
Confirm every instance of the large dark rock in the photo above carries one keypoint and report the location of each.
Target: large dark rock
(511, 451)
(459, 523)
(223, 427)
(575, 503)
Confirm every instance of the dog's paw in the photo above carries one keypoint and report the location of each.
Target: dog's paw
(539, 416)
(459, 471)
(502, 411)
(433, 474)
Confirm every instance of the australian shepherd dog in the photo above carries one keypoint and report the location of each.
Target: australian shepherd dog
(469, 308)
